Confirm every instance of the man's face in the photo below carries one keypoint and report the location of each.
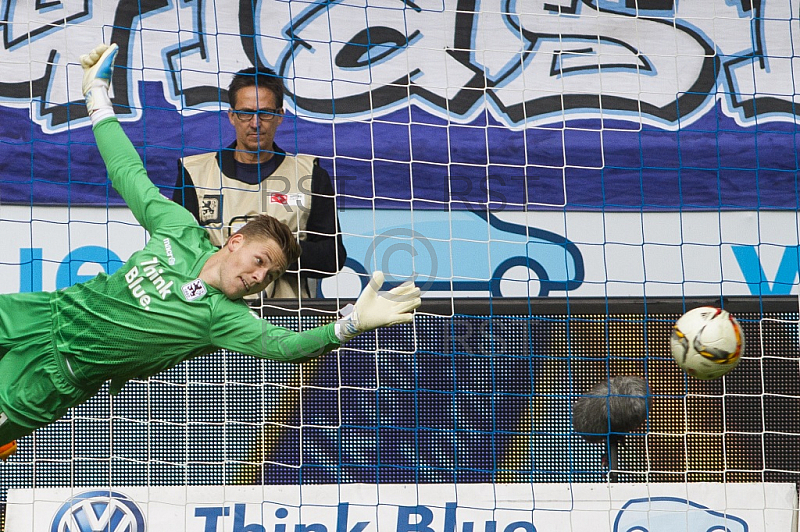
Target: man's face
(250, 266)
(255, 117)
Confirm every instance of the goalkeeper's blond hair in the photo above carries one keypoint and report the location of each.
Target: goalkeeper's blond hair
(265, 227)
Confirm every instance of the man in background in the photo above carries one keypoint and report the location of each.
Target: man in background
(254, 176)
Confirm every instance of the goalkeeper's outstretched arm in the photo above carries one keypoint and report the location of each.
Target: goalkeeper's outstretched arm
(372, 310)
(125, 168)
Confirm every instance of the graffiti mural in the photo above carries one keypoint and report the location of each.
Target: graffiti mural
(535, 99)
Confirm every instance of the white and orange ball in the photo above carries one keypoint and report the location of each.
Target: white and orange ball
(707, 342)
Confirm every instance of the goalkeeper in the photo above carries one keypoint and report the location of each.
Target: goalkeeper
(178, 298)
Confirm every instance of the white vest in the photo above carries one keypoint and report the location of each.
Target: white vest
(226, 204)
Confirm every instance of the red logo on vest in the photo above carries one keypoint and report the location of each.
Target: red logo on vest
(277, 197)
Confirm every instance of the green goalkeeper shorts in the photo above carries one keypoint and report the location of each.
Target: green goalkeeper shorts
(33, 388)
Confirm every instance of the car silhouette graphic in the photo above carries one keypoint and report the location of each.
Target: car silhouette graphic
(454, 252)
(670, 514)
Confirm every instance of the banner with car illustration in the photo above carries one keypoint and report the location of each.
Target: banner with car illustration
(463, 253)
(505, 105)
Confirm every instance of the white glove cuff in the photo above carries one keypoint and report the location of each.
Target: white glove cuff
(99, 104)
(100, 114)
(347, 328)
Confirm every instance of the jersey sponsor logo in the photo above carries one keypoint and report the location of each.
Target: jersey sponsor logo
(150, 271)
(105, 510)
(194, 290)
(168, 251)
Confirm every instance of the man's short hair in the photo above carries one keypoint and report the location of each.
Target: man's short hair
(260, 78)
(265, 227)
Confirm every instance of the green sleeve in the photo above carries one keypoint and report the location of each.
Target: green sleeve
(129, 178)
(248, 334)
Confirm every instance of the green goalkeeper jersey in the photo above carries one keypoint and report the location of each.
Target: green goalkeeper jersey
(154, 312)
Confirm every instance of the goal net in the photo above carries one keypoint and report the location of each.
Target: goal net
(562, 179)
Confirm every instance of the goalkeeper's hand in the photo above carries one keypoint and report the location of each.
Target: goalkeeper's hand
(373, 309)
(98, 66)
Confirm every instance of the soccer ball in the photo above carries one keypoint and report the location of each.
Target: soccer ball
(707, 342)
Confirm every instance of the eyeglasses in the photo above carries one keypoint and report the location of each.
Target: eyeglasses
(264, 115)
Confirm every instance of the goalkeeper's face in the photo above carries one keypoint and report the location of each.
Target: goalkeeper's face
(250, 265)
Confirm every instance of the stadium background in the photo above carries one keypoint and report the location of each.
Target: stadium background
(440, 106)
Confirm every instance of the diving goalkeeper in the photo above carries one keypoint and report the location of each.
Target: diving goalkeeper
(178, 298)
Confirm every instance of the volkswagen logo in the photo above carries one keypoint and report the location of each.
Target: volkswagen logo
(95, 510)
